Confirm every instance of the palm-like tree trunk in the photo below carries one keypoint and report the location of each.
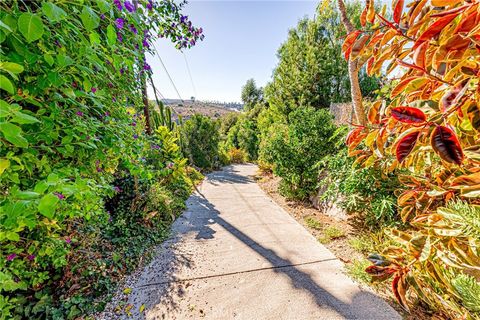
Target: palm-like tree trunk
(353, 71)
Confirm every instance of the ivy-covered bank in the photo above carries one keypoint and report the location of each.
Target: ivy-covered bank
(83, 189)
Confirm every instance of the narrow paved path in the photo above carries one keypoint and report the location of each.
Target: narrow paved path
(235, 254)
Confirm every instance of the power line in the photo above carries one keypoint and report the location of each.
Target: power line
(189, 74)
(168, 74)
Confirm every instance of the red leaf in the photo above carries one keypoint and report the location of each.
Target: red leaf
(378, 271)
(406, 145)
(388, 23)
(446, 144)
(397, 12)
(408, 115)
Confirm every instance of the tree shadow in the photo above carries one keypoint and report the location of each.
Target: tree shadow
(158, 285)
(228, 175)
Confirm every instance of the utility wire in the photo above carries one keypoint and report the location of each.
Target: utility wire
(190, 74)
(168, 74)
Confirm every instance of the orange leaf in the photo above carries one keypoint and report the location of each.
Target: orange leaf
(399, 290)
(400, 86)
(444, 3)
(419, 54)
(371, 12)
(349, 40)
(434, 29)
(415, 11)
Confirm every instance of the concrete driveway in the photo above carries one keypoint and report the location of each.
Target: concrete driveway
(235, 254)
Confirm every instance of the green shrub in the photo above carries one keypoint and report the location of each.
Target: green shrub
(356, 270)
(200, 141)
(71, 126)
(364, 191)
(296, 149)
(331, 233)
(237, 155)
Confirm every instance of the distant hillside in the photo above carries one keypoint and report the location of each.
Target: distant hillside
(187, 108)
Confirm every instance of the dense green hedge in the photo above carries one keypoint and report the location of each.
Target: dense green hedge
(71, 138)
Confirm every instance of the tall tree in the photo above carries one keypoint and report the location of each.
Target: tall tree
(311, 70)
(353, 70)
(251, 94)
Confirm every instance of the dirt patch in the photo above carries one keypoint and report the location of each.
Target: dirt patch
(319, 225)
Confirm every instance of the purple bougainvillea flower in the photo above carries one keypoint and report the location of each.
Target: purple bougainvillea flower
(117, 189)
(150, 5)
(107, 114)
(132, 28)
(119, 22)
(59, 195)
(68, 240)
(114, 99)
(99, 169)
(31, 257)
(129, 6)
(146, 66)
(94, 89)
(170, 165)
(122, 71)
(134, 124)
(145, 43)
(79, 113)
(183, 19)
(118, 4)
(135, 136)
(102, 16)
(12, 256)
(119, 37)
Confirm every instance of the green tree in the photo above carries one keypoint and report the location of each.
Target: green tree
(200, 139)
(296, 149)
(251, 94)
(311, 70)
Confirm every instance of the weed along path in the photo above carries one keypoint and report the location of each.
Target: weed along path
(235, 254)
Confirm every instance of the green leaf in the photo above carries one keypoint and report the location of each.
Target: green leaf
(4, 109)
(30, 26)
(5, 26)
(53, 12)
(13, 134)
(27, 195)
(94, 38)
(111, 35)
(103, 5)
(4, 164)
(47, 205)
(23, 118)
(11, 67)
(89, 18)
(13, 236)
(6, 84)
(64, 60)
(49, 59)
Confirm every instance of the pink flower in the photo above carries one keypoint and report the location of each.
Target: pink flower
(31, 257)
(68, 240)
(59, 195)
(12, 256)
(94, 89)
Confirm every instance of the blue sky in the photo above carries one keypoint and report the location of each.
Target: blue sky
(241, 40)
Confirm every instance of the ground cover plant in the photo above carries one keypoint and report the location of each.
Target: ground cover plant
(78, 173)
(429, 126)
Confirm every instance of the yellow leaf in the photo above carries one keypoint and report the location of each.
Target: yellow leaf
(142, 308)
(4, 164)
(127, 290)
